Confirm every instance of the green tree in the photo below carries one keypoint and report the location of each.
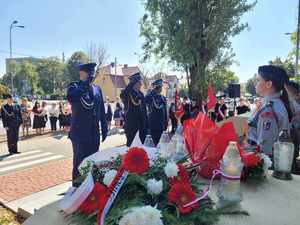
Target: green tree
(287, 64)
(71, 71)
(51, 75)
(26, 77)
(4, 90)
(250, 86)
(220, 78)
(192, 33)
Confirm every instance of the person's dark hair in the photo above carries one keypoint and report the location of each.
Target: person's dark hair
(118, 105)
(279, 77)
(294, 85)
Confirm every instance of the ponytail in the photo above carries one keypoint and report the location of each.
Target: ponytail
(285, 99)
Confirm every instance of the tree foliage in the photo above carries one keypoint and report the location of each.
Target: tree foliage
(192, 33)
(26, 78)
(287, 64)
(51, 75)
(76, 59)
(250, 86)
(96, 53)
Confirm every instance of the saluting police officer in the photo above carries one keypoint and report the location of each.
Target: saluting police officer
(11, 119)
(157, 111)
(87, 111)
(135, 109)
(275, 113)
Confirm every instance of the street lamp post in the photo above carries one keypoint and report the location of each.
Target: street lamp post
(13, 25)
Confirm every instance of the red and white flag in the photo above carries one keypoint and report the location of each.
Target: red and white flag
(211, 98)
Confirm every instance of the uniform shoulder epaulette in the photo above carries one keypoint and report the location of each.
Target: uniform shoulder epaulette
(73, 84)
(267, 114)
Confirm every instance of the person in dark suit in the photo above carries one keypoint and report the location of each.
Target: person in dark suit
(12, 119)
(134, 109)
(157, 111)
(87, 112)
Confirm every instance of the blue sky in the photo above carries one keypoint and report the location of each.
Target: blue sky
(56, 26)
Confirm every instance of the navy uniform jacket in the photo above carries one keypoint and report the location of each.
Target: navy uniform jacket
(85, 116)
(157, 111)
(268, 122)
(11, 116)
(134, 108)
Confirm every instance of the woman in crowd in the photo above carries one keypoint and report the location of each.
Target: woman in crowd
(108, 113)
(66, 117)
(221, 110)
(242, 108)
(38, 119)
(118, 115)
(60, 115)
(25, 117)
(44, 115)
(292, 89)
(274, 114)
(53, 115)
(256, 106)
(172, 117)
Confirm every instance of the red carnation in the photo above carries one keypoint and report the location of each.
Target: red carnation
(97, 198)
(250, 159)
(135, 160)
(182, 175)
(182, 194)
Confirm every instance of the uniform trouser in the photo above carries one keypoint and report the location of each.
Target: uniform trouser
(53, 121)
(131, 131)
(12, 139)
(156, 134)
(81, 150)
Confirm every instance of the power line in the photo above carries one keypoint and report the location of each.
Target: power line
(20, 54)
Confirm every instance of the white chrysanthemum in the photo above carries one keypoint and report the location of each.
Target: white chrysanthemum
(171, 169)
(109, 176)
(145, 215)
(267, 161)
(154, 187)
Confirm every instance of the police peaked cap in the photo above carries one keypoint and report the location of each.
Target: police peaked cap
(157, 83)
(134, 78)
(87, 67)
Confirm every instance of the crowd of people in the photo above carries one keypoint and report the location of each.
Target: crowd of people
(37, 117)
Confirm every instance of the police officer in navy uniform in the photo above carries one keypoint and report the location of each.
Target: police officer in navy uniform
(157, 111)
(134, 109)
(274, 114)
(11, 119)
(87, 111)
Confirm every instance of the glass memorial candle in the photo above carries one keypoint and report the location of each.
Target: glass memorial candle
(231, 167)
(283, 156)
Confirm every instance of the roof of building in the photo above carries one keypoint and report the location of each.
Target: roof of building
(118, 81)
(122, 70)
(127, 71)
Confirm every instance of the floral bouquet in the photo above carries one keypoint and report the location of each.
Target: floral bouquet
(133, 190)
(206, 144)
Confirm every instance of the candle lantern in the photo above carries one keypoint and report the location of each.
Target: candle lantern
(229, 191)
(283, 156)
(163, 145)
